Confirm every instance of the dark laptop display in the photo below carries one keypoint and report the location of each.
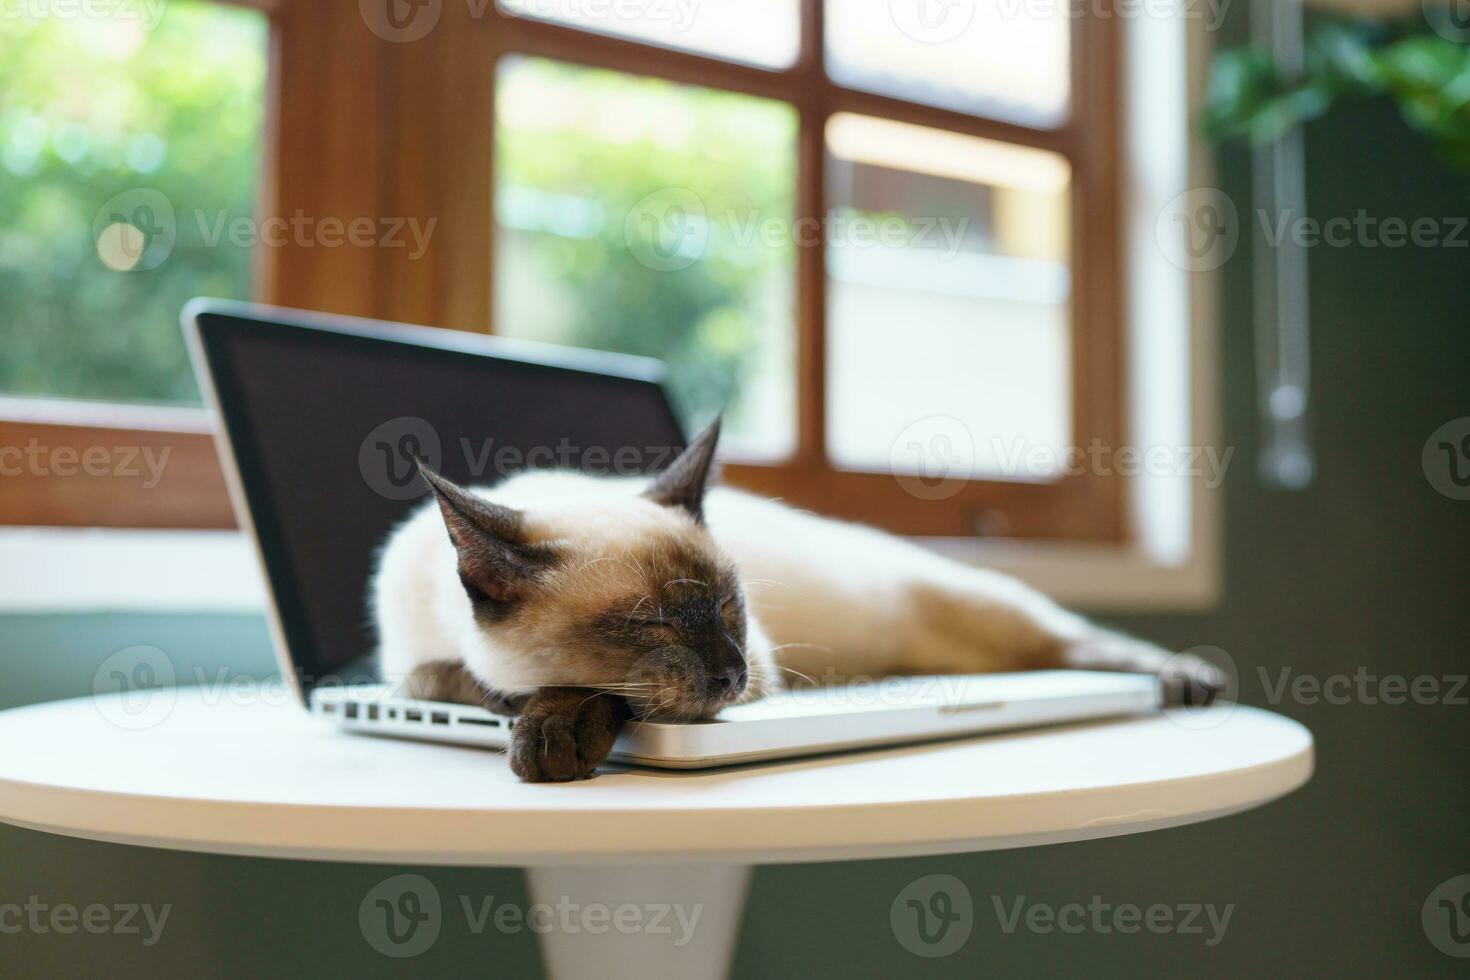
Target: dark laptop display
(324, 416)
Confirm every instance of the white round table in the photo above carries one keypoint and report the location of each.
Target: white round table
(228, 772)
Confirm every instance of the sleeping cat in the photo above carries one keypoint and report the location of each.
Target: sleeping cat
(577, 602)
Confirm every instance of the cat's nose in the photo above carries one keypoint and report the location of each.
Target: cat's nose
(728, 680)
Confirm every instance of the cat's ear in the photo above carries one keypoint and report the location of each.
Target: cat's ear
(495, 560)
(683, 483)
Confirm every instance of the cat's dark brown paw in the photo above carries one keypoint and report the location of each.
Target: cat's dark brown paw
(564, 733)
(1192, 682)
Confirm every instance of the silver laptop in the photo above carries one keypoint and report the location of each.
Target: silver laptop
(320, 421)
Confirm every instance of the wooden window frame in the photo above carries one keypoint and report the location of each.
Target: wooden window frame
(349, 136)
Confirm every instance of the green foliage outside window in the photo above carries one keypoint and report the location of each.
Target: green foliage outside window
(91, 108)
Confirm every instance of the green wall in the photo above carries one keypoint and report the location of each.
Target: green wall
(1367, 568)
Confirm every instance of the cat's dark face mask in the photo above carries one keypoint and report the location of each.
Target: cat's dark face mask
(655, 613)
(677, 651)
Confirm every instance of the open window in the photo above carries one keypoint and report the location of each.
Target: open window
(885, 238)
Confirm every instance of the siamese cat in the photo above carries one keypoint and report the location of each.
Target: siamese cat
(577, 602)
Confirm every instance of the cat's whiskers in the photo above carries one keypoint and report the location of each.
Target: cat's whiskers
(595, 561)
(656, 708)
(792, 670)
(813, 646)
(636, 606)
(625, 688)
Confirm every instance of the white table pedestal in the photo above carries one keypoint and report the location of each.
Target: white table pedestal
(637, 923)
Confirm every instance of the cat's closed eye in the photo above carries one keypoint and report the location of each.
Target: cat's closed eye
(660, 629)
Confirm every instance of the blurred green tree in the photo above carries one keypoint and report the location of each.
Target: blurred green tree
(90, 109)
(658, 222)
(93, 107)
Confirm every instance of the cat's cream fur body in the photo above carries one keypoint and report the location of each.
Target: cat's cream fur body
(826, 600)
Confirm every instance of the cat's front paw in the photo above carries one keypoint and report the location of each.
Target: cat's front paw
(564, 733)
(1190, 681)
(1185, 680)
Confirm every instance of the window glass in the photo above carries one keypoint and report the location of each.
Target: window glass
(758, 32)
(948, 328)
(644, 217)
(991, 57)
(130, 141)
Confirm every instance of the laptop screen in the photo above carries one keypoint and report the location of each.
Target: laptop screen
(325, 417)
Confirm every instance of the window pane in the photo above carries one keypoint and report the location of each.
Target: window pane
(123, 140)
(990, 57)
(758, 32)
(948, 326)
(639, 216)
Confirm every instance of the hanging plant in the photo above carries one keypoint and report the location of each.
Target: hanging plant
(1427, 75)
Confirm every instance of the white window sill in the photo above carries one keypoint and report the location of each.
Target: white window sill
(108, 570)
(1097, 578)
